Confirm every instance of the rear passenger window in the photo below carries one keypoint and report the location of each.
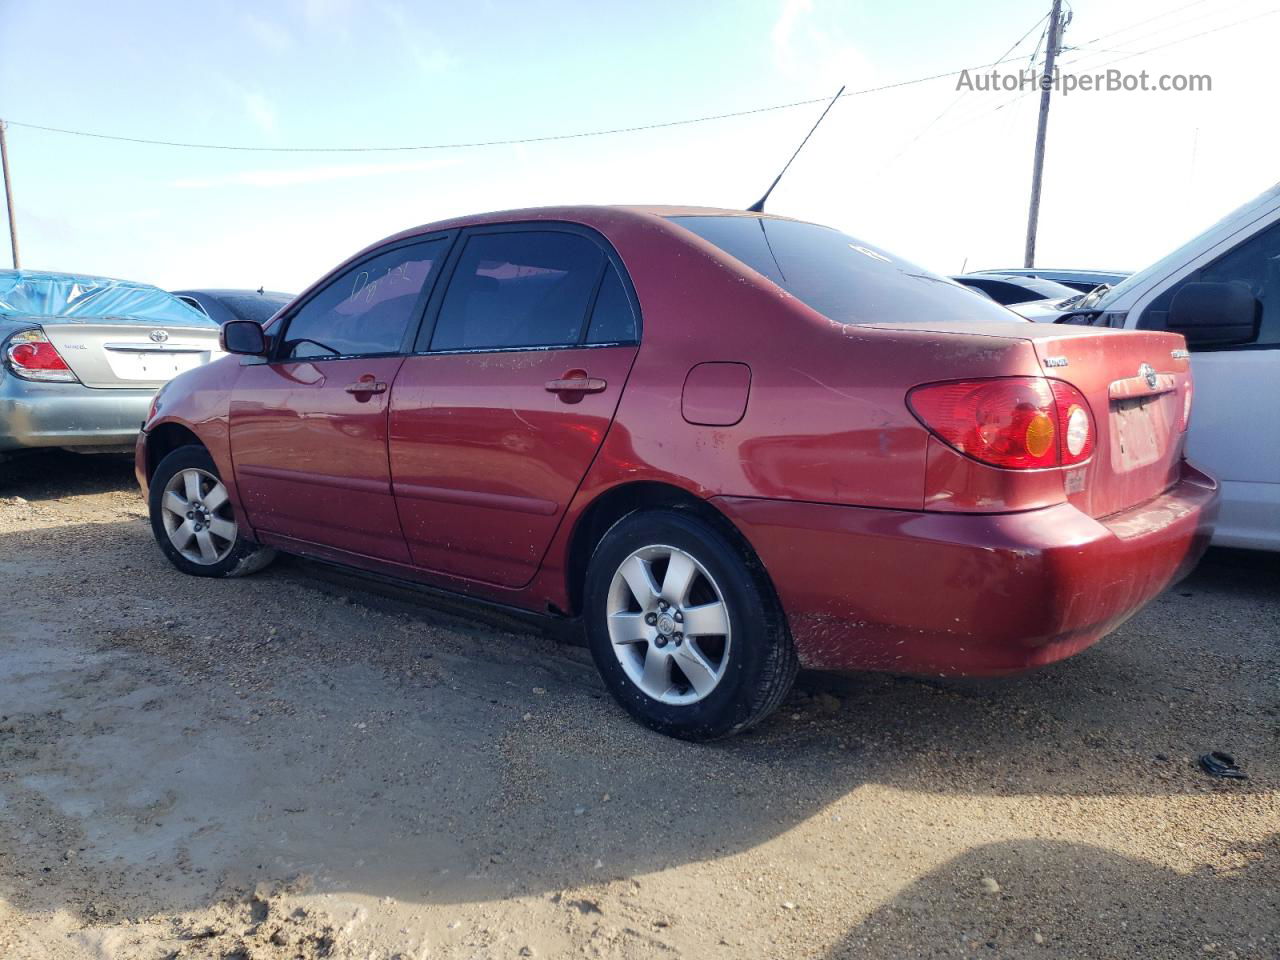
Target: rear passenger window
(366, 310)
(520, 289)
(612, 319)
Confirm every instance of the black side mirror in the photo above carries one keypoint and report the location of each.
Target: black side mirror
(1215, 314)
(244, 337)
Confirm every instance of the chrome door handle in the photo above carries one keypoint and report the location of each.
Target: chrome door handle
(367, 386)
(577, 385)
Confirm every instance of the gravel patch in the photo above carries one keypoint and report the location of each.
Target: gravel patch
(299, 765)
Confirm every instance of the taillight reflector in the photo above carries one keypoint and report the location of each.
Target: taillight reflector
(31, 356)
(1075, 423)
(1019, 423)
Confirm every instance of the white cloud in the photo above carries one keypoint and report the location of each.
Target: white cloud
(260, 111)
(428, 56)
(327, 13)
(303, 175)
(784, 28)
(810, 45)
(269, 34)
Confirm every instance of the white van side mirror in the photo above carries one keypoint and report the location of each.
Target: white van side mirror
(1215, 314)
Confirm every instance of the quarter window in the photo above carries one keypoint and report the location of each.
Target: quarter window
(612, 319)
(367, 310)
(1255, 262)
(520, 289)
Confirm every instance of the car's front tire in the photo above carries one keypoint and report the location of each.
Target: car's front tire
(194, 522)
(684, 628)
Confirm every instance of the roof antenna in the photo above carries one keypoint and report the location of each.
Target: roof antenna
(758, 206)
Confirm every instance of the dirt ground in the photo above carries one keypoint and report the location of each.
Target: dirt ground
(296, 765)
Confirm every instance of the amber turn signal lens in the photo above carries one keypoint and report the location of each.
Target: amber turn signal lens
(1039, 438)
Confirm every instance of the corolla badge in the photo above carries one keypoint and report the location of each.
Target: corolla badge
(159, 336)
(1148, 373)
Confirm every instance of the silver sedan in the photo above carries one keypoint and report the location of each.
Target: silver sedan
(81, 358)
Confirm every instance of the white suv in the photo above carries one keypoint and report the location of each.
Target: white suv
(1222, 291)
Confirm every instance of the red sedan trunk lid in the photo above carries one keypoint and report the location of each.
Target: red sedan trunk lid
(1137, 384)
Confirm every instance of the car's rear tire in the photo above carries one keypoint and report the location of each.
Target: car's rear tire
(684, 626)
(194, 522)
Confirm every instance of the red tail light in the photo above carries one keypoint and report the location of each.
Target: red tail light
(1020, 423)
(31, 356)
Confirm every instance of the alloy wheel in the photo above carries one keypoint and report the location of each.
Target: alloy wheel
(669, 625)
(197, 516)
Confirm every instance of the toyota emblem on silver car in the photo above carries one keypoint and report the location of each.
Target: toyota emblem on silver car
(1148, 373)
(159, 336)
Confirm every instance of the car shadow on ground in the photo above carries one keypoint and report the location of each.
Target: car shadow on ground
(1077, 900)
(174, 735)
(54, 474)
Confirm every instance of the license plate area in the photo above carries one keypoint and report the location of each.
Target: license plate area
(154, 366)
(1140, 431)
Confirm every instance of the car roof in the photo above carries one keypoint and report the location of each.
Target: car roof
(597, 216)
(658, 210)
(588, 214)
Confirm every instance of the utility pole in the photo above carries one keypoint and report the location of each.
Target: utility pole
(1056, 26)
(8, 195)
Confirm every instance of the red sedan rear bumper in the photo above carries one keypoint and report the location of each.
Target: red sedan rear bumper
(938, 593)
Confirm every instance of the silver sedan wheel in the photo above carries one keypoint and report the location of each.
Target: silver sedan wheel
(197, 516)
(669, 625)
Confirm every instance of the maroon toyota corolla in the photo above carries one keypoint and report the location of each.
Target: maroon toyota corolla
(732, 444)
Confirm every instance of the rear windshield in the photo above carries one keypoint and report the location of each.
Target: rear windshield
(842, 278)
(259, 308)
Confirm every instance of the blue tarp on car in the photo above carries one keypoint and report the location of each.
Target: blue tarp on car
(31, 293)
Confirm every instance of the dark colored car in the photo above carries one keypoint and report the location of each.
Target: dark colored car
(1081, 281)
(729, 443)
(1008, 290)
(224, 305)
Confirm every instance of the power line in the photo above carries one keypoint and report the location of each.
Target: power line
(1096, 52)
(1004, 57)
(504, 142)
(973, 118)
(661, 124)
(1081, 56)
(1139, 23)
(1193, 36)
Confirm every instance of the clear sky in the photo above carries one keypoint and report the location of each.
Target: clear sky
(935, 176)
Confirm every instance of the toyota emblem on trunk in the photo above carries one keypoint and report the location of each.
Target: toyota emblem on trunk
(159, 336)
(1148, 373)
